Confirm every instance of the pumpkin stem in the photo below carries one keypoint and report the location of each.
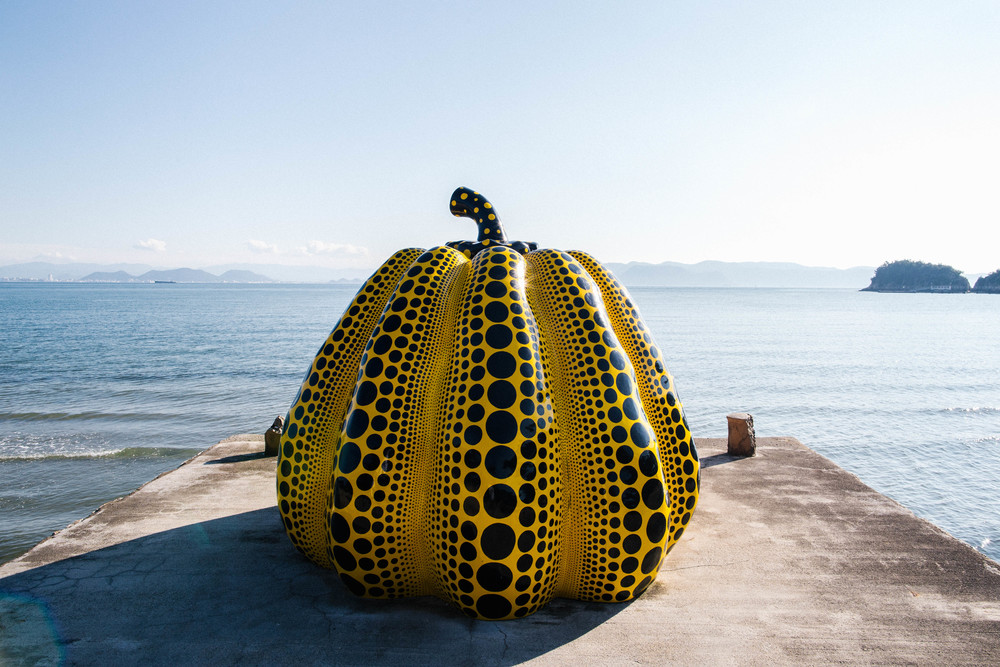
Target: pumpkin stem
(466, 203)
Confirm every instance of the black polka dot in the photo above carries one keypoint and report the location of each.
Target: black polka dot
(501, 426)
(527, 515)
(501, 394)
(499, 500)
(495, 289)
(469, 530)
(357, 424)
(652, 494)
(501, 461)
(498, 541)
(632, 521)
(367, 393)
(647, 463)
(472, 482)
(526, 540)
(345, 559)
(473, 435)
(340, 530)
(630, 498)
(651, 560)
(494, 576)
(640, 434)
(496, 311)
(501, 365)
(629, 475)
(373, 368)
(349, 457)
(499, 336)
(492, 605)
(656, 527)
(624, 384)
(342, 492)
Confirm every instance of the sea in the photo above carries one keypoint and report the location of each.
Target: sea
(105, 386)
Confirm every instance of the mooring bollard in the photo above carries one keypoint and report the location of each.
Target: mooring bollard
(272, 437)
(742, 440)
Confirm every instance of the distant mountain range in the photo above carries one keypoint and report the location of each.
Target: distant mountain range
(739, 274)
(633, 274)
(175, 276)
(93, 273)
(249, 273)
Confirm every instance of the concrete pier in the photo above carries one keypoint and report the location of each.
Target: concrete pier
(788, 560)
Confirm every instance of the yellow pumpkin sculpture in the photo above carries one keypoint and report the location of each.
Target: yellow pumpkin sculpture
(491, 424)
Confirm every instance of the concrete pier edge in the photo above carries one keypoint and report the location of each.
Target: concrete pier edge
(788, 560)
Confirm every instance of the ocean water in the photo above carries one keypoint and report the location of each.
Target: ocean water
(103, 387)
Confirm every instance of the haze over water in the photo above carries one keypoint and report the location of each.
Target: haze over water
(102, 387)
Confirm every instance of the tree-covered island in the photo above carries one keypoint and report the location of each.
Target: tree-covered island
(909, 276)
(988, 284)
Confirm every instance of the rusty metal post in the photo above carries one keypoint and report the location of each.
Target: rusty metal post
(272, 437)
(742, 440)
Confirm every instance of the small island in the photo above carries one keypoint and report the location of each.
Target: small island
(988, 284)
(909, 276)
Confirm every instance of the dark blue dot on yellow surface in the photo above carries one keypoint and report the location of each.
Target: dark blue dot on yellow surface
(492, 605)
(501, 365)
(501, 426)
(501, 462)
(499, 501)
(494, 576)
(497, 541)
(501, 394)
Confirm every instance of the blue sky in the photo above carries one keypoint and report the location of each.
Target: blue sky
(331, 133)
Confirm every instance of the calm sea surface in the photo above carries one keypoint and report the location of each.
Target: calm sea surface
(103, 387)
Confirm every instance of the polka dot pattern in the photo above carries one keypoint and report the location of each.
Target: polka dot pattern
(678, 456)
(491, 424)
(314, 420)
(466, 203)
(378, 500)
(617, 537)
(498, 522)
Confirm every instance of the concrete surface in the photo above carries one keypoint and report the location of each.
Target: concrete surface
(788, 560)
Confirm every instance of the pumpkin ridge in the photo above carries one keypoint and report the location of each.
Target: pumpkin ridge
(619, 504)
(428, 494)
(678, 456)
(496, 528)
(570, 548)
(373, 523)
(305, 455)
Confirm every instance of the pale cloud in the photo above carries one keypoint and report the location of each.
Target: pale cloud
(155, 245)
(337, 249)
(262, 246)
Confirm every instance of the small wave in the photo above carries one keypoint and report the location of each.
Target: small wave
(985, 409)
(84, 416)
(126, 453)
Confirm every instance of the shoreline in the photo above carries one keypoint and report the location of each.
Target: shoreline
(788, 559)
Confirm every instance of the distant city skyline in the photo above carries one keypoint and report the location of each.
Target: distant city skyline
(205, 134)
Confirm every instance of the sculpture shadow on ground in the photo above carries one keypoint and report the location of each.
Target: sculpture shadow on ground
(719, 459)
(234, 590)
